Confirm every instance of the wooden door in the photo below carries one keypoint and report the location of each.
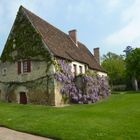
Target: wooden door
(23, 98)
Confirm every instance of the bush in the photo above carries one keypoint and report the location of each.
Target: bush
(92, 87)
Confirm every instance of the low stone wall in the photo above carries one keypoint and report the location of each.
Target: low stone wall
(119, 87)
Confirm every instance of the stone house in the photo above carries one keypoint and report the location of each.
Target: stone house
(29, 56)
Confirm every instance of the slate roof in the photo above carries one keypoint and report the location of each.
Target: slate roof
(60, 44)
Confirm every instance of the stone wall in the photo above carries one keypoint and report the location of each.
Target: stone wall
(3, 89)
(38, 69)
(40, 91)
(58, 96)
(38, 84)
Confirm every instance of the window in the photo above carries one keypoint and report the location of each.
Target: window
(24, 66)
(80, 69)
(75, 69)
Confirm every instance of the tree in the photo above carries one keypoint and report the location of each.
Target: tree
(133, 66)
(128, 50)
(115, 66)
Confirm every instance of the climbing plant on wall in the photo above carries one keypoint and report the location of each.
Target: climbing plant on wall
(25, 41)
(92, 87)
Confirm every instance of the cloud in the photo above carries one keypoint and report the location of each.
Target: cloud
(130, 33)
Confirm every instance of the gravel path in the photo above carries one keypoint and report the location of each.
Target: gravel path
(8, 134)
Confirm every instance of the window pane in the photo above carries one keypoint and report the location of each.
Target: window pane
(28, 66)
(25, 66)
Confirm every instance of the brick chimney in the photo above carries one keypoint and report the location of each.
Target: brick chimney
(73, 36)
(96, 54)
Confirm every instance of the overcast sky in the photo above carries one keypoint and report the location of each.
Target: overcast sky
(109, 24)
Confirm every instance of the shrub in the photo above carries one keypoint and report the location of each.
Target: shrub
(93, 86)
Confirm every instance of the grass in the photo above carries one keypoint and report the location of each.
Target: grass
(117, 118)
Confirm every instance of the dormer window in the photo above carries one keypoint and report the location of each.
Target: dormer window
(24, 66)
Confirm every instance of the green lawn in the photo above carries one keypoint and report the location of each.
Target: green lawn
(117, 118)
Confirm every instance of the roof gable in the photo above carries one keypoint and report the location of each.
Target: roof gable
(24, 42)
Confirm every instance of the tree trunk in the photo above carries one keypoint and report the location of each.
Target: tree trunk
(135, 84)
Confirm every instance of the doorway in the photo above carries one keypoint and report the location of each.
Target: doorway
(23, 98)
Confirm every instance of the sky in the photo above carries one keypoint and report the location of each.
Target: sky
(110, 25)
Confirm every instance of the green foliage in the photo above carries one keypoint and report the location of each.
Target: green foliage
(25, 41)
(133, 63)
(115, 66)
(116, 118)
(57, 66)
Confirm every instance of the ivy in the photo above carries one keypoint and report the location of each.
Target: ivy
(26, 42)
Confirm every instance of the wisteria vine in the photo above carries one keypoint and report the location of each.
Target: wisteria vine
(94, 87)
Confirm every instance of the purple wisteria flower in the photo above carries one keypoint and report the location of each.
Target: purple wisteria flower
(95, 87)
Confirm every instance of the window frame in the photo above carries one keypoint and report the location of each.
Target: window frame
(24, 66)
